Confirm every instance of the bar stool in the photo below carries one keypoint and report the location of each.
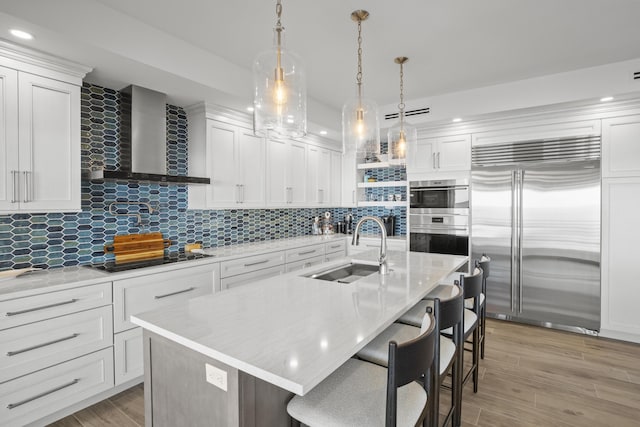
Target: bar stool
(484, 263)
(448, 314)
(354, 395)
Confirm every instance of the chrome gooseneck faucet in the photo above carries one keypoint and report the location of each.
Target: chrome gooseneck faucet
(384, 269)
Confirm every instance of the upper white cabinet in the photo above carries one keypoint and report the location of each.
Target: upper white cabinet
(247, 171)
(349, 180)
(40, 138)
(621, 147)
(286, 173)
(449, 153)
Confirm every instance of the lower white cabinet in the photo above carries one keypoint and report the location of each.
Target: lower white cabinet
(620, 317)
(35, 346)
(249, 264)
(334, 256)
(144, 293)
(305, 263)
(128, 356)
(368, 243)
(293, 255)
(34, 396)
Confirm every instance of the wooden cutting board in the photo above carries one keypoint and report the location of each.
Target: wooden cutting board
(137, 247)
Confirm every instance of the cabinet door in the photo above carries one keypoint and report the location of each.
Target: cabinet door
(49, 135)
(278, 192)
(297, 174)
(620, 293)
(422, 156)
(221, 148)
(8, 140)
(454, 153)
(335, 178)
(621, 146)
(251, 157)
(313, 189)
(349, 179)
(324, 177)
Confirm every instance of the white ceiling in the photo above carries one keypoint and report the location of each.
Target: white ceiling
(202, 50)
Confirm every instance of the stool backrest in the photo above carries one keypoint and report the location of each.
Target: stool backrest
(451, 310)
(484, 263)
(472, 283)
(408, 362)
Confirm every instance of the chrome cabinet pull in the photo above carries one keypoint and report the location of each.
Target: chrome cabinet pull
(306, 252)
(174, 293)
(438, 160)
(335, 246)
(433, 160)
(14, 182)
(242, 193)
(264, 261)
(37, 346)
(26, 186)
(29, 310)
(514, 228)
(521, 225)
(46, 393)
(353, 196)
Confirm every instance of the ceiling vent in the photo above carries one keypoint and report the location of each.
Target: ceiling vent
(407, 113)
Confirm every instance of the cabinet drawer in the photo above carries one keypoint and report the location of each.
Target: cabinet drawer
(243, 279)
(31, 397)
(139, 294)
(34, 308)
(304, 263)
(128, 355)
(37, 345)
(337, 246)
(334, 256)
(251, 263)
(304, 253)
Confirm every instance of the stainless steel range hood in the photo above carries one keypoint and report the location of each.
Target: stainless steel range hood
(143, 140)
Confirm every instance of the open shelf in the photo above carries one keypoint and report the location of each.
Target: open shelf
(379, 184)
(393, 204)
(380, 165)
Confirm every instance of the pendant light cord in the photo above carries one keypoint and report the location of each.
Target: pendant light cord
(359, 74)
(279, 29)
(401, 105)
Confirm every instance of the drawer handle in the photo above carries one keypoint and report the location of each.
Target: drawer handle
(264, 261)
(307, 252)
(174, 293)
(24, 350)
(46, 393)
(335, 246)
(29, 310)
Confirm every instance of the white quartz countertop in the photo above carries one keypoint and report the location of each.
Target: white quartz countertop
(293, 331)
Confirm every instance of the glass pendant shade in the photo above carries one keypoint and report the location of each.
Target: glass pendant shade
(280, 93)
(360, 127)
(400, 137)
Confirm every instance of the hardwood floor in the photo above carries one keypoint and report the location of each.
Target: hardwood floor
(530, 377)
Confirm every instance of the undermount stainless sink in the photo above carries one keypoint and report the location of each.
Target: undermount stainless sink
(346, 273)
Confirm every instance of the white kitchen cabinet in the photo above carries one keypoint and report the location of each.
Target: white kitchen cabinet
(293, 255)
(286, 173)
(335, 178)
(620, 317)
(318, 176)
(304, 263)
(144, 293)
(40, 143)
(251, 263)
(449, 153)
(128, 355)
(621, 147)
(349, 181)
(253, 276)
(368, 243)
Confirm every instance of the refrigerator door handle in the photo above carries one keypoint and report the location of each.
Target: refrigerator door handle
(521, 232)
(514, 227)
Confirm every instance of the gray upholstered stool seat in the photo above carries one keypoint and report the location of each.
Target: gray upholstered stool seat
(377, 351)
(355, 395)
(415, 314)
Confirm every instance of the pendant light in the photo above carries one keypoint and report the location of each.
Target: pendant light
(360, 126)
(402, 135)
(280, 93)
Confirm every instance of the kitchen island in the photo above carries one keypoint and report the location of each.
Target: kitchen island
(236, 357)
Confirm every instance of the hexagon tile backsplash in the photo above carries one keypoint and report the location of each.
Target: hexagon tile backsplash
(64, 239)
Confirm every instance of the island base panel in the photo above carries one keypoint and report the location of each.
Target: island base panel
(177, 392)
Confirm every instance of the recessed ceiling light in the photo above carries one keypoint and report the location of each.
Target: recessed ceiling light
(456, 120)
(323, 132)
(21, 34)
(250, 109)
(606, 99)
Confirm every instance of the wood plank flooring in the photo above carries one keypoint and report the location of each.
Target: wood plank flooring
(530, 377)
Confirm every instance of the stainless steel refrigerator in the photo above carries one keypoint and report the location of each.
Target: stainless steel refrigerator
(535, 210)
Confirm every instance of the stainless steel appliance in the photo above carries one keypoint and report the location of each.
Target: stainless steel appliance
(439, 216)
(536, 212)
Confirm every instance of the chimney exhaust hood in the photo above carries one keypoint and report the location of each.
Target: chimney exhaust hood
(143, 140)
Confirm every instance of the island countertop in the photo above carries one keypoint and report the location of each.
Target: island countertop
(293, 331)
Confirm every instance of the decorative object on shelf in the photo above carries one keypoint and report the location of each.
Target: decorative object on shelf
(401, 135)
(360, 126)
(280, 92)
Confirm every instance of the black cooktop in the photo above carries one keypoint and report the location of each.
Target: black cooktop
(112, 267)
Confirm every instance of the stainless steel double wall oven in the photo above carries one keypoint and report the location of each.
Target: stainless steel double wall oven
(439, 216)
